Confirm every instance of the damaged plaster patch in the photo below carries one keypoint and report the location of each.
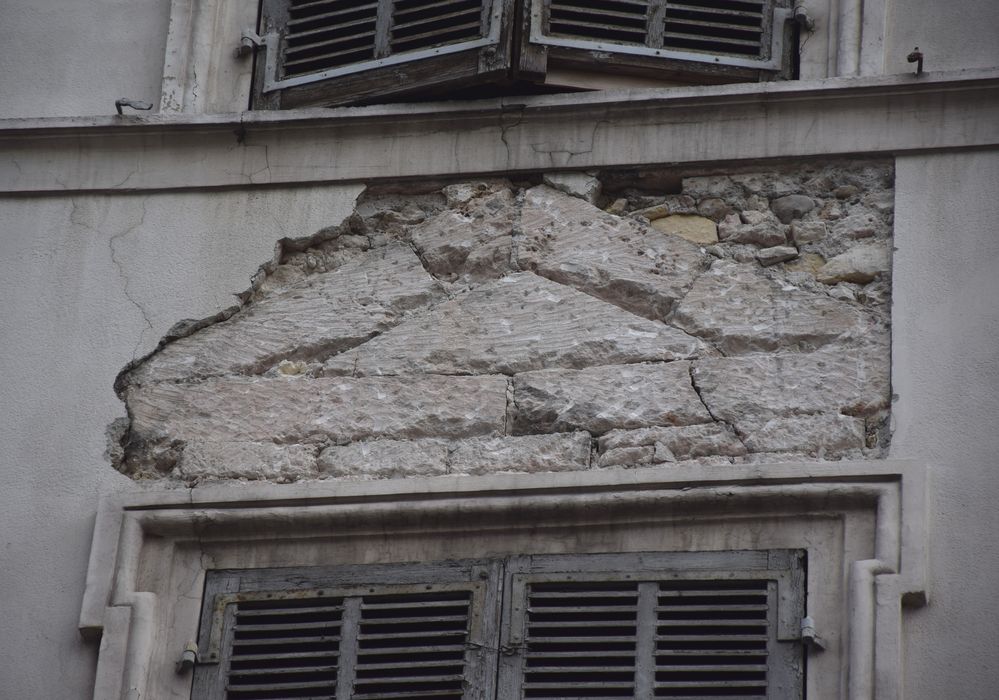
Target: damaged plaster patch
(484, 327)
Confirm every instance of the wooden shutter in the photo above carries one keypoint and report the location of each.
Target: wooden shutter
(684, 40)
(686, 625)
(336, 52)
(354, 632)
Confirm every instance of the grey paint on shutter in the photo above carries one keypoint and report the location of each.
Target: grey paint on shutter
(731, 33)
(314, 44)
(356, 632)
(653, 625)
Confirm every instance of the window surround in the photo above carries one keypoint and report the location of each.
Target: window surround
(863, 524)
(201, 73)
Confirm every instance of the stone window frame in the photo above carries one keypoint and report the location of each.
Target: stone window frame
(863, 525)
(202, 72)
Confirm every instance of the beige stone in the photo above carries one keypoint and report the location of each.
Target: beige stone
(697, 229)
(321, 315)
(600, 399)
(300, 409)
(736, 307)
(809, 262)
(526, 453)
(616, 259)
(519, 323)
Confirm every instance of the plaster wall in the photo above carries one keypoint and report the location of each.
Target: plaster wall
(88, 283)
(946, 375)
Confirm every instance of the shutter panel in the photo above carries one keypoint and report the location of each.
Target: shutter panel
(336, 52)
(350, 633)
(686, 40)
(686, 625)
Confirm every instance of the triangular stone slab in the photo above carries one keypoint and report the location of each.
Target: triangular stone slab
(515, 324)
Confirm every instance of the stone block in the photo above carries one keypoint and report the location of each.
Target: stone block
(776, 254)
(696, 229)
(301, 409)
(615, 259)
(321, 315)
(203, 460)
(860, 264)
(852, 380)
(765, 233)
(385, 459)
(519, 323)
(739, 310)
(807, 231)
(600, 399)
(824, 435)
(526, 453)
(714, 208)
(625, 456)
(472, 243)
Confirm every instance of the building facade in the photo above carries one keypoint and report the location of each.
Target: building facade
(540, 304)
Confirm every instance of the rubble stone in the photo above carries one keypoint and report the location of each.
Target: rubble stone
(600, 399)
(714, 208)
(860, 264)
(515, 324)
(807, 231)
(765, 233)
(777, 254)
(792, 206)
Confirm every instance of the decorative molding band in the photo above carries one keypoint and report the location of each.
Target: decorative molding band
(613, 129)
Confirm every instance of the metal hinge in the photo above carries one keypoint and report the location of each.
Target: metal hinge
(249, 41)
(809, 636)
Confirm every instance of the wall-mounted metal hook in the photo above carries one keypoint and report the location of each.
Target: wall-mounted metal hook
(134, 104)
(916, 56)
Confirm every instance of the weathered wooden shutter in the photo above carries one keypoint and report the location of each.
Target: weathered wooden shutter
(354, 632)
(335, 52)
(654, 626)
(685, 40)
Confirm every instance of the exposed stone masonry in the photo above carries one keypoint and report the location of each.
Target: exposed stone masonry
(578, 324)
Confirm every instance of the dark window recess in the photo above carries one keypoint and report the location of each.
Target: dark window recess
(644, 625)
(340, 52)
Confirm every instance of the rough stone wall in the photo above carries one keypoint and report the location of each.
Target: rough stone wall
(582, 323)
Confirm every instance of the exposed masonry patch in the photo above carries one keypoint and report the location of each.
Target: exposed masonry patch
(487, 327)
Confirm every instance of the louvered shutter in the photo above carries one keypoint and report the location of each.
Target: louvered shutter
(690, 625)
(335, 52)
(683, 40)
(355, 632)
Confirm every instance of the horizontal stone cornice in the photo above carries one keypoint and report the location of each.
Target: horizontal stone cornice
(841, 116)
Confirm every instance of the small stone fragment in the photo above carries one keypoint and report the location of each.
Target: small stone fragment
(697, 229)
(671, 204)
(767, 233)
(385, 459)
(845, 191)
(809, 262)
(677, 443)
(581, 185)
(714, 208)
(599, 399)
(860, 264)
(524, 453)
(776, 254)
(857, 226)
(807, 231)
(617, 207)
(793, 206)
